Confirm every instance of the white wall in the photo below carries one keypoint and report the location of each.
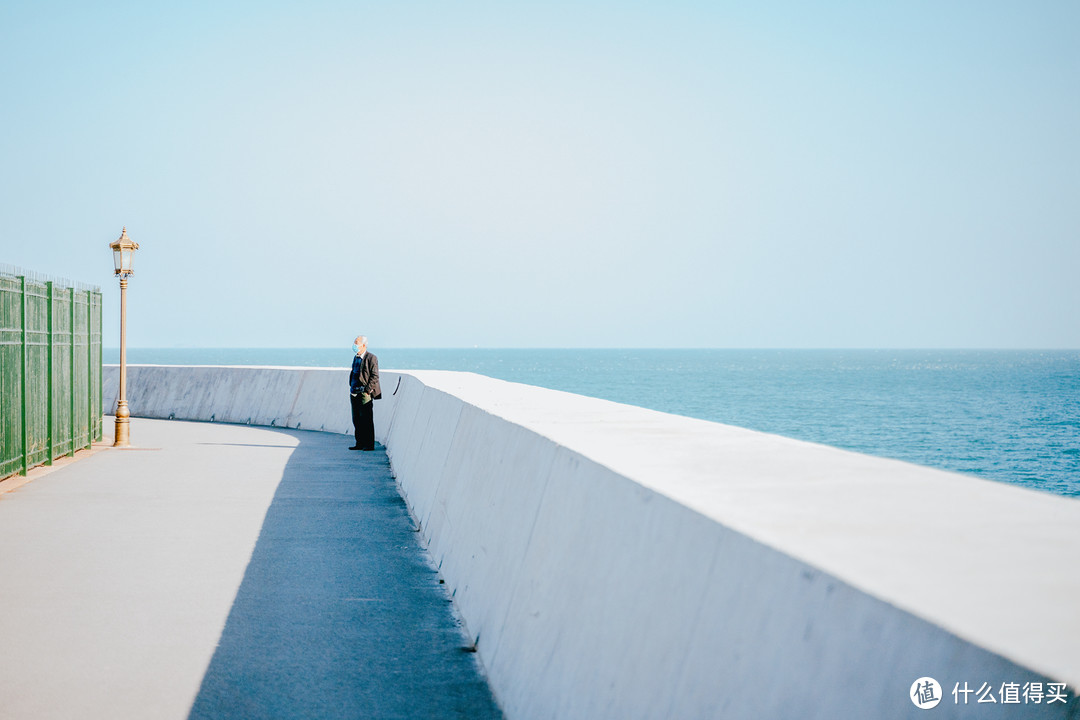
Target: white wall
(306, 398)
(615, 562)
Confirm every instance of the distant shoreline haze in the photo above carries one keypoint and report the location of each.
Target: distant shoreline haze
(1009, 415)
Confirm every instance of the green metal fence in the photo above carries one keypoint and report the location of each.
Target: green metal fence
(50, 369)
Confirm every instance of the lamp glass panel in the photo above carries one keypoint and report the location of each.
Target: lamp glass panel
(127, 253)
(116, 259)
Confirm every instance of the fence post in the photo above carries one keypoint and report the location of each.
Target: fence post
(49, 355)
(89, 377)
(101, 374)
(74, 415)
(22, 376)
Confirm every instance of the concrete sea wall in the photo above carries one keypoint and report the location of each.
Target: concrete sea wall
(615, 562)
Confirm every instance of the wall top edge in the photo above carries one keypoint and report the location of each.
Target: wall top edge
(244, 367)
(292, 367)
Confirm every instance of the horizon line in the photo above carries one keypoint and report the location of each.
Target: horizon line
(626, 347)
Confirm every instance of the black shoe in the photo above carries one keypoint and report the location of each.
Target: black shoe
(356, 447)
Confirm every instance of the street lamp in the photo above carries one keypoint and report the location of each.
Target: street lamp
(123, 252)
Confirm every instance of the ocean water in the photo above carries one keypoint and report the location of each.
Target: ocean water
(1006, 415)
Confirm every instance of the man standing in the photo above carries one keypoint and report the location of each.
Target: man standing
(363, 389)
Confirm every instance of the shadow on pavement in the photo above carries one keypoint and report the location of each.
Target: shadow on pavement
(339, 615)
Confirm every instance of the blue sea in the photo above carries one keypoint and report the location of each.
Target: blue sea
(1008, 415)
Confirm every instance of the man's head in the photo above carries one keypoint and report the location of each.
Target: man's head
(360, 344)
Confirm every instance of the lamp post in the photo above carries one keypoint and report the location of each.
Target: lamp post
(123, 250)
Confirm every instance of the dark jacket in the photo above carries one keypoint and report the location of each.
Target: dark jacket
(365, 376)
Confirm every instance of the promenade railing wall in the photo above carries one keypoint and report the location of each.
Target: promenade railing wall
(50, 369)
(612, 562)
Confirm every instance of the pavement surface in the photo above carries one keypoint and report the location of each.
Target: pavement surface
(225, 571)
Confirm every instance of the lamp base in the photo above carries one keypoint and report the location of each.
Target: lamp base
(121, 436)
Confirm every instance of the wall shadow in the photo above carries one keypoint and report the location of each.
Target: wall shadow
(339, 615)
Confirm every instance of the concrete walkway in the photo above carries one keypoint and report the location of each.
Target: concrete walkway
(224, 571)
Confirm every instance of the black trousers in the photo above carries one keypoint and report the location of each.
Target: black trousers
(363, 420)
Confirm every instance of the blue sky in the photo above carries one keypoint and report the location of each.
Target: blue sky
(586, 174)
